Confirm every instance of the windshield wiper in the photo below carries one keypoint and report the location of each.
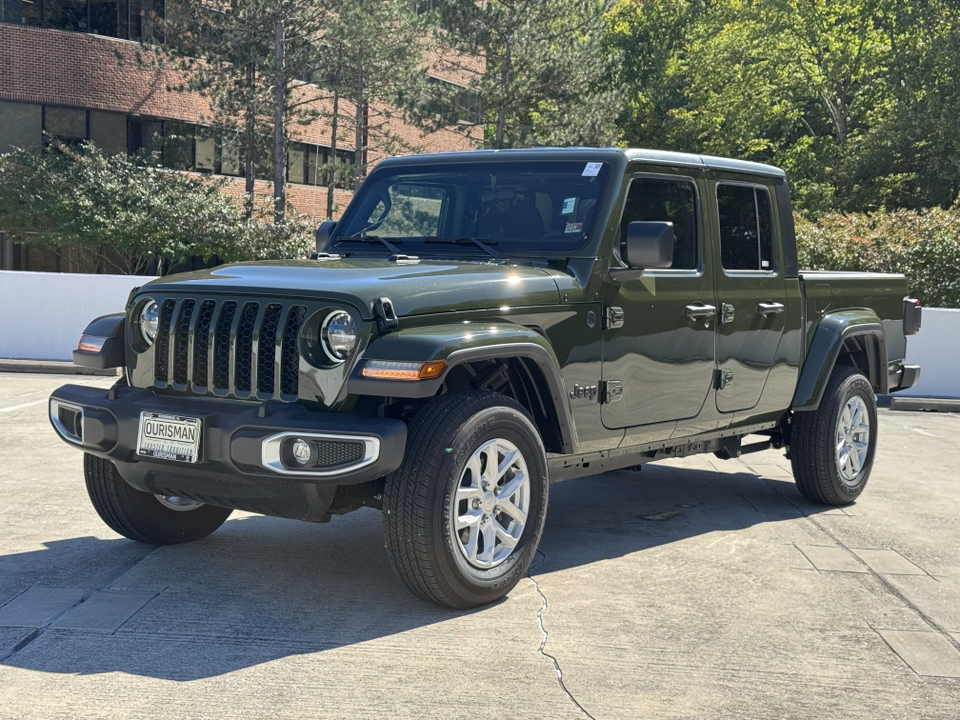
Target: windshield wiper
(372, 239)
(482, 244)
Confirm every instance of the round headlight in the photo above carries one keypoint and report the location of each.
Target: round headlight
(339, 336)
(149, 319)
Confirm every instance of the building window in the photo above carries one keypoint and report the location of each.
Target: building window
(127, 19)
(21, 125)
(179, 145)
(448, 99)
(108, 131)
(68, 125)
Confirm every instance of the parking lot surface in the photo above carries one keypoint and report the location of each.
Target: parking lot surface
(695, 588)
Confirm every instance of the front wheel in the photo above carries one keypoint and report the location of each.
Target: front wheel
(832, 447)
(145, 517)
(464, 513)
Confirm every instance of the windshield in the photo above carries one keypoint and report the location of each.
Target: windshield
(503, 207)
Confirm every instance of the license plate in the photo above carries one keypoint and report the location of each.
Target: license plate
(169, 437)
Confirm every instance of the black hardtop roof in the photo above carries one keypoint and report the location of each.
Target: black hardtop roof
(658, 157)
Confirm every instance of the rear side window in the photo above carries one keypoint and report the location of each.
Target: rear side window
(746, 227)
(655, 199)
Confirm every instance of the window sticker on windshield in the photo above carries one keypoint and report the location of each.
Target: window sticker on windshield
(569, 205)
(574, 228)
(592, 169)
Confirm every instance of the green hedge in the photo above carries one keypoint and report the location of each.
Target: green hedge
(924, 245)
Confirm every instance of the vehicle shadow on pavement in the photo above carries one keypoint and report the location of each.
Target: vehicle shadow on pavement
(262, 589)
(630, 511)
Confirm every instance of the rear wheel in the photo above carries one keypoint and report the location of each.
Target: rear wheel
(464, 513)
(145, 517)
(832, 448)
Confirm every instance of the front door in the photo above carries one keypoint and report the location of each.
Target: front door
(659, 330)
(751, 292)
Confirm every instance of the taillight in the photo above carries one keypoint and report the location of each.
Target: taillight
(911, 316)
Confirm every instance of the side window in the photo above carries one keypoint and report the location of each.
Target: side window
(656, 199)
(746, 234)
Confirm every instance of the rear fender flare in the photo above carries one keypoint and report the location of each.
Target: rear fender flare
(831, 332)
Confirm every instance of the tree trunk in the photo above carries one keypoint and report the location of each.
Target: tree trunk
(360, 125)
(333, 152)
(504, 84)
(251, 144)
(279, 108)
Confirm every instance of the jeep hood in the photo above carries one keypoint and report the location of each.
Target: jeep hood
(430, 286)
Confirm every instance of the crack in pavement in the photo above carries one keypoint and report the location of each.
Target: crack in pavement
(543, 639)
(38, 632)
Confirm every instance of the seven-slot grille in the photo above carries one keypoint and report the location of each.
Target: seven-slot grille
(225, 347)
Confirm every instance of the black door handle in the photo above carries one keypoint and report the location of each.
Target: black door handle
(700, 310)
(768, 307)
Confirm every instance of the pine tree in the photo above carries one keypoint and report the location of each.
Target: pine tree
(538, 66)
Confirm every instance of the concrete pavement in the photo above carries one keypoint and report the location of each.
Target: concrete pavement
(696, 588)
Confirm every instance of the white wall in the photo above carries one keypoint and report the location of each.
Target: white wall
(936, 349)
(42, 315)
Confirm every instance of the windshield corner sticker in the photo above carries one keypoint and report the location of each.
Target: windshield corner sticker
(569, 205)
(592, 169)
(574, 228)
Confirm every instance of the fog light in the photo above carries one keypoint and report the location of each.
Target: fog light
(301, 451)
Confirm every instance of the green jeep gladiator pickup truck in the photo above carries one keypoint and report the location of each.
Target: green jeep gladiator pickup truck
(476, 326)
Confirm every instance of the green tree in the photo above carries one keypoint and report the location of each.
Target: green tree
(249, 58)
(267, 66)
(365, 83)
(859, 100)
(538, 68)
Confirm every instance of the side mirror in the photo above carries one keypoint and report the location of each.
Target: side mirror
(649, 245)
(323, 234)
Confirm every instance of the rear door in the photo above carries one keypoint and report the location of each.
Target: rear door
(659, 330)
(751, 291)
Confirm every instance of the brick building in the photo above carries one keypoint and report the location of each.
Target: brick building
(68, 69)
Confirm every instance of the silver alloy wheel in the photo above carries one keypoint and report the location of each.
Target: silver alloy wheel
(489, 507)
(180, 504)
(853, 440)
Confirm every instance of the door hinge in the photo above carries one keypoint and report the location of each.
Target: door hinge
(614, 317)
(726, 313)
(724, 378)
(612, 392)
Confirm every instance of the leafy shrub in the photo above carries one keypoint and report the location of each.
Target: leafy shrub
(130, 214)
(924, 245)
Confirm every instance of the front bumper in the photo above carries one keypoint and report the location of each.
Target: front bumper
(239, 464)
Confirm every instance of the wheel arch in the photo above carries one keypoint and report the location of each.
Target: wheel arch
(475, 355)
(853, 338)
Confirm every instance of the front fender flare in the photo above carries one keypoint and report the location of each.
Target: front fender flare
(457, 344)
(828, 338)
(110, 328)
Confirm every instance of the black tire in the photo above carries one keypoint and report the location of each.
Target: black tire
(140, 515)
(418, 500)
(820, 476)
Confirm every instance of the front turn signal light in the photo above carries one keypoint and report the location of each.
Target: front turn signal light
(91, 344)
(391, 370)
